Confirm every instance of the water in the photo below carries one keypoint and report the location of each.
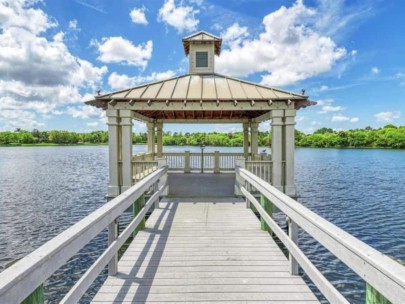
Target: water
(44, 190)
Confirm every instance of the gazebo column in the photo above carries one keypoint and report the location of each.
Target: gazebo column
(277, 148)
(246, 140)
(151, 138)
(113, 152)
(254, 138)
(289, 152)
(159, 130)
(126, 149)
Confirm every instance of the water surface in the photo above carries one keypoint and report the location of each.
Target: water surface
(44, 190)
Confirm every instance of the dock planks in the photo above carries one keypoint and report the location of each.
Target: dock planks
(207, 252)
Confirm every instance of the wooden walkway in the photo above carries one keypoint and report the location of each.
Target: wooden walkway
(198, 252)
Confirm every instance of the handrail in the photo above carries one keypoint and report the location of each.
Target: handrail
(381, 272)
(18, 281)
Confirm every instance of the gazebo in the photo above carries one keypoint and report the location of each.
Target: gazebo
(201, 96)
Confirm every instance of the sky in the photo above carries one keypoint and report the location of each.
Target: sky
(349, 56)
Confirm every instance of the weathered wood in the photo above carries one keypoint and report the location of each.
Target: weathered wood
(376, 268)
(136, 208)
(168, 262)
(268, 207)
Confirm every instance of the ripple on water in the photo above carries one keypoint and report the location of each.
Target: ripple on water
(45, 190)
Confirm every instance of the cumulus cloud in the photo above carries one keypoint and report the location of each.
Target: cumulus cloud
(122, 81)
(290, 49)
(234, 35)
(387, 116)
(38, 72)
(120, 50)
(138, 16)
(181, 17)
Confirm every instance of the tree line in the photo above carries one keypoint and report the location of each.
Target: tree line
(389, 136)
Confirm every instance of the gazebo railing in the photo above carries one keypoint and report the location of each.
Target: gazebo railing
(212, 161)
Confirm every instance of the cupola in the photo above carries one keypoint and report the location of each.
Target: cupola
(202, 47)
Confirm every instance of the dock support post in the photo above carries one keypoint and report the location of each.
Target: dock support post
(126, 149)
(268, 207)
(114, 143)
(151, 138)
(293, 234)
(246, 140)
(289, 142)
(112, 236)
(277, 148)
(216, 162)
(187, 168)
(159, 133)
(255, 139)
(136, 208)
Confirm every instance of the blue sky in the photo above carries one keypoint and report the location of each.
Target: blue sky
(348, 55)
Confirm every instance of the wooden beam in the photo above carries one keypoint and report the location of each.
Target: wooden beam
(206, 106)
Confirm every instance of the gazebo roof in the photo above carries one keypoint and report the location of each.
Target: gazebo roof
(202, 37)
(203, 93)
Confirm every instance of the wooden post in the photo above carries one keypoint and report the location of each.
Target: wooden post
(37, 296)
(289, 153)
(277, 148)
(113, 152)
(136, 208)
(246, 140)
(187, 168)
(255, 139)
(293, 234)
(268, 207)
(126, 149)
(159, 131)
(112, 236)
(216, 162)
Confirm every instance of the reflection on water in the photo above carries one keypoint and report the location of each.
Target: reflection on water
(44, 190)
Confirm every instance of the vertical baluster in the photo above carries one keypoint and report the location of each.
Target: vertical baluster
(112, 236)
(293, 234)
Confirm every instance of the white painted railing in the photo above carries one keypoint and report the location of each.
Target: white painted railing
(21, 279)
(212, 161)
(378, 270)
(142, 168)
(260, 168)
(142, 157)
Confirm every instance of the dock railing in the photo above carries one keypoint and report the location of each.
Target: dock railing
(22, 278)
(378, 270)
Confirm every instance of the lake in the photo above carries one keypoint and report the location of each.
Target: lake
(44, 190)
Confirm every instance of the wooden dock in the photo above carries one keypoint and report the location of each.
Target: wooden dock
(203, 251)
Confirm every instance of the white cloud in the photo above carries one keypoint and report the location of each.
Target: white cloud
(234, 35)
(121, 81)
(18, 118)
(387, 116)
(342, 118)
(182, 18)
(315, 123)
(327, 109)
(120, 50)
(290, 49)
(73, 24)
(375, 71)
(138, 16)
(38, 73)
(84, 112)
(21, 14)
